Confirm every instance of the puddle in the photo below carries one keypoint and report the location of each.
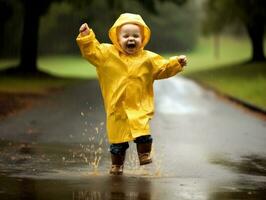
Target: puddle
(184, 97)
(69, 161)
(248, 164)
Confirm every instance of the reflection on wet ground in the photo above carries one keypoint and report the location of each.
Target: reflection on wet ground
(251, 193)
(249, 164)
(46, 158)
(103, 187)
(57, 171)
(127, 187)
(251, 181)
(65, 160)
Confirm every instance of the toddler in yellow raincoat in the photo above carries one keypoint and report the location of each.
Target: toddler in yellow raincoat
(126, 73)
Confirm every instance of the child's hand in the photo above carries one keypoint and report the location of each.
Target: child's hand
(84, 29)
(182, 60)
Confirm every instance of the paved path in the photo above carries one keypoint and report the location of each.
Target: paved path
(204, 148)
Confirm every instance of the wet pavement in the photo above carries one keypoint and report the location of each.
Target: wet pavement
(204, 148)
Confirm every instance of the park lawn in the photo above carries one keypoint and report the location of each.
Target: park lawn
(32, 85)
(66, 70)
(67, 66)
(246, 82)
(232, 50)
(230, 74)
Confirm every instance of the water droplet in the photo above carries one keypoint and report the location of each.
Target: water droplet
(101, 141)
(100, 150)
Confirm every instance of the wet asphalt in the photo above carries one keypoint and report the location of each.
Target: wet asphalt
(204, 148)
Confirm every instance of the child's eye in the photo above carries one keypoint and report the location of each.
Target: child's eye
(125, 36)
(136, 36)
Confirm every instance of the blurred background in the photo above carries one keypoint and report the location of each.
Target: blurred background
(224, 42)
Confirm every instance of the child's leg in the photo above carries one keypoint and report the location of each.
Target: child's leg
(144, 144)
(118, 153)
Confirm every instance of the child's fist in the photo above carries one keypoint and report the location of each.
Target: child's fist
(84, 29)
(182, 60)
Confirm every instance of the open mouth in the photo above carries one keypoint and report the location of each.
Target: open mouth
(131, 45)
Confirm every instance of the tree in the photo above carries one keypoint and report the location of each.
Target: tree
(250, 13)
(34, 9)
(5, 13)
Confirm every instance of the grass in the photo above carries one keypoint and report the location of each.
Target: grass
(67, 69)
(232, 50)
(246, 82)
(20, 84)
(230, 74)
(67, 66)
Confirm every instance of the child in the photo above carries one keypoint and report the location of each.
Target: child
(126, 74)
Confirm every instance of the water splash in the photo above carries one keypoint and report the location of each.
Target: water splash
(94, 149)
(133, 168)
(94, 142)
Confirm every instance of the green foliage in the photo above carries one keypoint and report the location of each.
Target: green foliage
(58, 29)
(179, 23)
(220, 14)
(59, 26)
(250, 13)
(5, 10)
(10, 28)
(174, 28)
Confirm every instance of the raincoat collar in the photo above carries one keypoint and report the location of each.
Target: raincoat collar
(129, 18)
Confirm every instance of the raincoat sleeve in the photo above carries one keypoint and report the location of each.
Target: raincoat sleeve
(165, 68)
(91, 49)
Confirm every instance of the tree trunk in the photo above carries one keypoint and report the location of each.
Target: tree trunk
(256, 34)
(6, 12)
(29, 48)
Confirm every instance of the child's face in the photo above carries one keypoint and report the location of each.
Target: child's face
(130, 38)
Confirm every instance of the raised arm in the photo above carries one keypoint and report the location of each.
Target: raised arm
(165, 68)
(89, 46)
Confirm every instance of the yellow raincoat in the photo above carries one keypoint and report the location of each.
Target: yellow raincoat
(126, 81)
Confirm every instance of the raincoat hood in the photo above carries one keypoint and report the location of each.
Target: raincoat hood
(128, 18)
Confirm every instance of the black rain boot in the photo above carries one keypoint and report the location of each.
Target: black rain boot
(144, 153)
(117, 164)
